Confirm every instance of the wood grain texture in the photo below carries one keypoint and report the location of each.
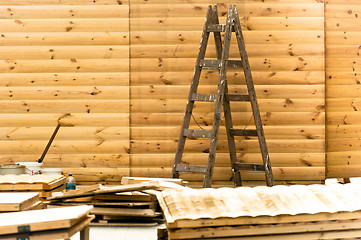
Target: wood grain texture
(66, 62)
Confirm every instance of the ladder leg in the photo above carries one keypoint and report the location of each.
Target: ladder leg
(192, 90)
(220, 98)
(226, 107)
(253, 100)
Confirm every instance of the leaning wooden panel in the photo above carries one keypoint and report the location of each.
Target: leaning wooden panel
(17, 201)
(30, 182)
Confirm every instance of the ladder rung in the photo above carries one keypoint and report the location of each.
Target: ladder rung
(218, 28)
(210, 63)
(243, 132)
(249, 167)
(217, 63)
(191, 168)
(197, 133)
(204, 97)
(238, 97)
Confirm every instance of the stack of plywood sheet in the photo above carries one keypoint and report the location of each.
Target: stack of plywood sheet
(116, 205)
(14, 202)
(46, 224)
(45, 185)
(280, 212)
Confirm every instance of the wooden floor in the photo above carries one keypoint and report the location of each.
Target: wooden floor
(121, 233)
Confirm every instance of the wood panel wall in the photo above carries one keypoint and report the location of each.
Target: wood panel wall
(66, 61)
(285, 43)
(343, 32)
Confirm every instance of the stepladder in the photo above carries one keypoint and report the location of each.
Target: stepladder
(221, 100)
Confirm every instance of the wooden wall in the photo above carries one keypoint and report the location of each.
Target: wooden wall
(343, 34)
(285, 43)
(66, 61)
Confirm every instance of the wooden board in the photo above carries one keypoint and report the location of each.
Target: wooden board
(55, 234)
(40, 220)
(30, 182)
(16, 201)
(123, 212)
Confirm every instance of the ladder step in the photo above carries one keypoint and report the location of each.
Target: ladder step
(216, 64)
(243, 132)
(191, 168)
(218, 28)
(197, 133)
(204, 97)
(249, 167)
(238, 97)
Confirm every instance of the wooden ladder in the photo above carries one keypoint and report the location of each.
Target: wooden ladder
(222, 98)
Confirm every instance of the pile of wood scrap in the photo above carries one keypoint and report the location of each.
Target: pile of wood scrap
(130, 204)
(45, 185)
(280, 212)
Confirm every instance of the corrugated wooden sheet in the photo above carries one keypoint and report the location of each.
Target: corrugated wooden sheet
(343, 34)
(285, 44)
(67, 62)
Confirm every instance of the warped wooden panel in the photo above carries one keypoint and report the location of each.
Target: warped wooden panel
(225, 173)
(277, 146)
(65, 133)
(248, 23)
(344, 105)
(269, 105)
(343, 51)
(71, 160)
(65, 119)
(344, 91)
(65, 25)
(342, 11)
(250, 10)
(344, 64)
(268, 118)
(342, 117)
(66, 147)
(344, 144)
(345, 171)
(342, 37)
(70, 65)
(63, 11)
(64, 79)
(64, 38)
(342, 24)
(64, 52)
(65, 106)
(343, 131)
(64, 93)
(340, 78)
(343, 158)
(271, 132)
(253, 50)
(64, 2)
(257, 64)
(262, 91)
(250, 37)
(211, 78)
(100, 175)
(223, 159)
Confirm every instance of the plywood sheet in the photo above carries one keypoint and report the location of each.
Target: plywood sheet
(30, 182)
(16, 201)
(40, 220)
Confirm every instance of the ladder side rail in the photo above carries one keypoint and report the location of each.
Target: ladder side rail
(192, 90)
(219, 100)
(253, 100)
